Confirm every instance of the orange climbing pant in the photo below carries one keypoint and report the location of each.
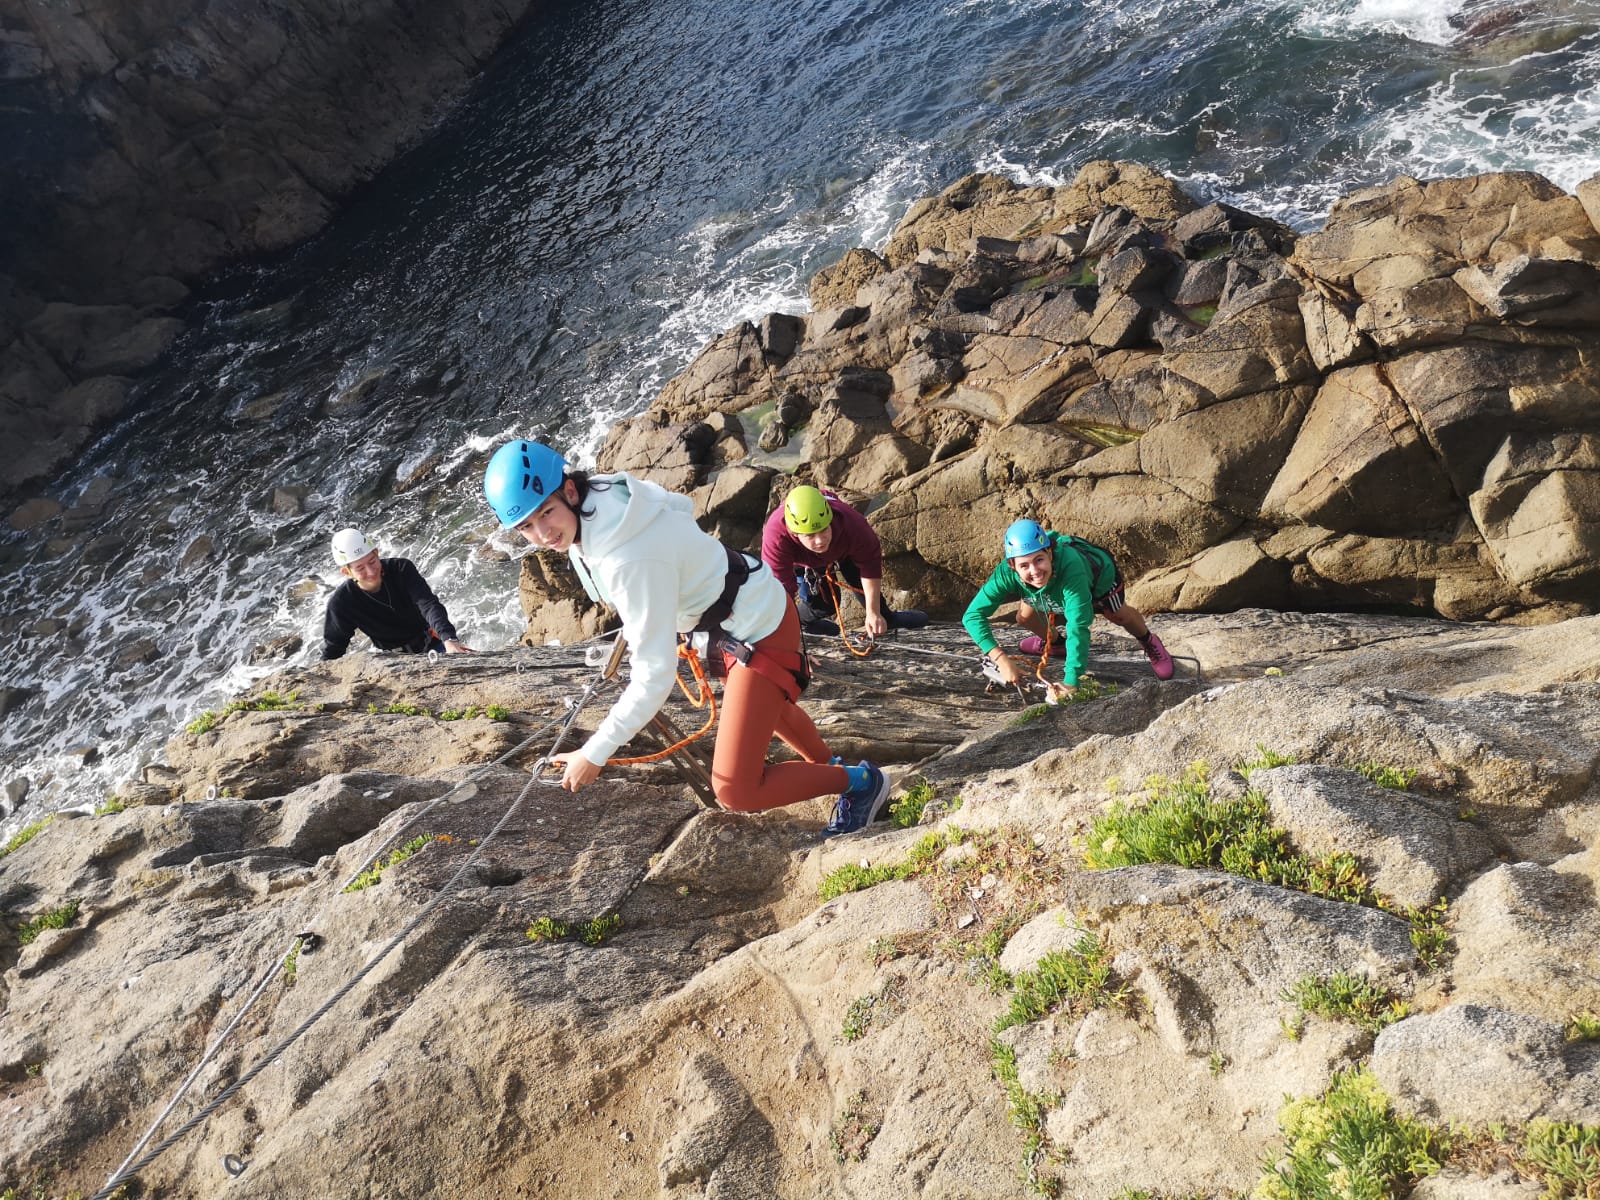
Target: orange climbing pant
(754, 707)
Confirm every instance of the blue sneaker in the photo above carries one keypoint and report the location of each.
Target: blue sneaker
(856, 808)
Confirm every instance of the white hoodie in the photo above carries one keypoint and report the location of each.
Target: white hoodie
(642, 553)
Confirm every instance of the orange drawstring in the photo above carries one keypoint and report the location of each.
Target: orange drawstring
(706, 700)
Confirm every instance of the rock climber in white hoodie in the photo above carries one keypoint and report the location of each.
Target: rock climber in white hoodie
(636, 546)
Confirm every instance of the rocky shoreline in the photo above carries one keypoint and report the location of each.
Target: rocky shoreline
(624, 993)
(1395, 413)
(728, 1035)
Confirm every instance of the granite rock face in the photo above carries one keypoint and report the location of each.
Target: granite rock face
(1395, 412)
(734, 1036)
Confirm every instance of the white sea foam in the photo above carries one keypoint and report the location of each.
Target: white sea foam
(1420, 20)
(742, 266)
(1466, 124)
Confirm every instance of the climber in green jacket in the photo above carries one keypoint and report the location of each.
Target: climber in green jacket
(1063, 580)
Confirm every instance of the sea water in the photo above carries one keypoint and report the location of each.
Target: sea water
(630, 178)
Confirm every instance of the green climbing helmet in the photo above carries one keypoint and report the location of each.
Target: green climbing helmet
(806, 510)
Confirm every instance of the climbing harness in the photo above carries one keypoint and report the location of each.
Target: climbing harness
(705, 699)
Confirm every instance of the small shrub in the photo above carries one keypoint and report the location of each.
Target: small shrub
(864, 1011)
(399, 709)
(1264, 760)
(1345, 997)
(1028, 1111)
(1566, 1159)
(1398, 779)
(1584, 1027)
(1090, 688)
(1349, 1144)
(1028, 716)
(549, 929)
(853, 878)
(374, 873)
(1430, 932)
(1217, 1063)
(291, 964)
(1080, 978)
(1181, 824)
(25, 835)
(204, 723)
(600, 929)
(266, 702)
(906, 810)
(883, 950)
(497, 712)
(56, 918)
(853, 1132)
(110, 805)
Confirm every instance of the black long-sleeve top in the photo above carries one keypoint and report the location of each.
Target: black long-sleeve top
(398, 616)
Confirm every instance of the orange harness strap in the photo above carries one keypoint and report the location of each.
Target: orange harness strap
(705, 700)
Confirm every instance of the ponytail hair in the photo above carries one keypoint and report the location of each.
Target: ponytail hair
(585, 484)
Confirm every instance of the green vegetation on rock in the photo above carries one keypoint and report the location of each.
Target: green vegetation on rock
(25, 835)
(1080, 979)
(1349, 1144)
(1346, 997)
(374, 873)
(56, 918)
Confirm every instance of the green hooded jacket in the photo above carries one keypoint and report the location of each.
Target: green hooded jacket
(1080, 572)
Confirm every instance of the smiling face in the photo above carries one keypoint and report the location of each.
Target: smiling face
(367, 571)
(818, 542)
(1034, 569)
(554, 524)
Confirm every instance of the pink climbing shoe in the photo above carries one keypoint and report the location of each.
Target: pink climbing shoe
(1033, 645)
(1160, 660)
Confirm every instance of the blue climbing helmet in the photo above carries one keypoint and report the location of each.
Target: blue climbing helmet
(519, 478)
(1024, 538)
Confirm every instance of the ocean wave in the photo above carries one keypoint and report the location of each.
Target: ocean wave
(1421, 20)
(1474, 122)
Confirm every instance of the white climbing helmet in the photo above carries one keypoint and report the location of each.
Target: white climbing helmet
(349, 545)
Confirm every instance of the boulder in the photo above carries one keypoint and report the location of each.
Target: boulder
(1414, 851)
(1222, 578)
(838, 284)
(725, 376)
(1515, 927)
(1474, 1065)
(1539, 508)
(1227, 453)
(555, 604)
(1398, 248)
(992, 206)
(1359, 463)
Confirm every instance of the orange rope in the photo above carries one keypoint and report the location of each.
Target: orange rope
(706, 700)
(1049, 632)
(835, 590)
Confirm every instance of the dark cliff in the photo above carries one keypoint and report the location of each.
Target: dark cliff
(143, 145)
